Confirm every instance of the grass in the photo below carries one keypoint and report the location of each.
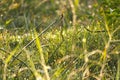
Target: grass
(61, 48)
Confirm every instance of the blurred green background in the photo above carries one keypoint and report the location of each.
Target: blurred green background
(84, 44)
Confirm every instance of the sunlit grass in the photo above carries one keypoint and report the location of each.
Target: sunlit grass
(33, 47)
(62, 63)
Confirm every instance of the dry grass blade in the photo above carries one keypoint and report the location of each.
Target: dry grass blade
(42, 60)
(32, 66)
